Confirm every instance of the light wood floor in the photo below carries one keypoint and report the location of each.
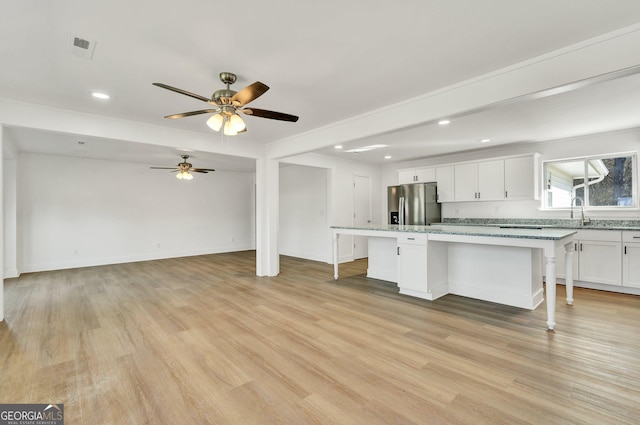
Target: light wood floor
(201, 340)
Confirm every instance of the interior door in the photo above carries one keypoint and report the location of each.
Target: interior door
(361, 213)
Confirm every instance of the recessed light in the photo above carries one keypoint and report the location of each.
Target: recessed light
(485, 140)
(100, 95)
(338, 146)
(444, 122)
(387, 157)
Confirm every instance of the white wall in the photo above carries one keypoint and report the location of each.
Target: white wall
(80, 212)
(9, 188)
(339, 201)
(303, 212)
(596, 144)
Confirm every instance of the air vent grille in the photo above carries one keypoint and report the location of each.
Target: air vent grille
(81, 43)
(81, 47)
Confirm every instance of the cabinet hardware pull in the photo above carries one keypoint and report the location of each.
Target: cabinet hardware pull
(505, 194)
(575, 246)
(625, 250)
(636, 237)
(580, 246)
(478, 195)
(398, 250)
(412, 239)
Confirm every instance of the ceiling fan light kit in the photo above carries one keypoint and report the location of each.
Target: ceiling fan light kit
(184, 169)
(228, 103)
(184, 175)
(215, 122)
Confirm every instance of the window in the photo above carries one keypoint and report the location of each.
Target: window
(595, 182)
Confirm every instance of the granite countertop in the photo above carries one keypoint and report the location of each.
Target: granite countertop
(544, 223)
(469, 230)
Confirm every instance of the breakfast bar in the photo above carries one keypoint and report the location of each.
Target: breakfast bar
(502, 265)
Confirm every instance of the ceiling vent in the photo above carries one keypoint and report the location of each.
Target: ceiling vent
(82, 47)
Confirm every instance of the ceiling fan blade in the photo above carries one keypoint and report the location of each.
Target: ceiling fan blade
(186, 93)
(198, 171)
(163, 168)
(188, 114)
(249, 93)
(263, 113)
(202, 170)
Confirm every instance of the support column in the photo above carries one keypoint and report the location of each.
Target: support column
(267, 217)
(551, 288)
(568, 280)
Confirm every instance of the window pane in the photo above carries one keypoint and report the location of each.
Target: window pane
(562, 179)
(610, 182)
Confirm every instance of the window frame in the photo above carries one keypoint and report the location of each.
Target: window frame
(587, 204)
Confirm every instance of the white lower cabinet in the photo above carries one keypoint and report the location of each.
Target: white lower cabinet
(597, 257)
(412, 263)
(417, 275)
(631, 259)
(600, 262)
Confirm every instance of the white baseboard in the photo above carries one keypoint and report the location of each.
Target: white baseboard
(11, 273)
(62, 265)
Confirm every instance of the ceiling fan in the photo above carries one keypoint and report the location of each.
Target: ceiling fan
(227, 103)
(185, 169)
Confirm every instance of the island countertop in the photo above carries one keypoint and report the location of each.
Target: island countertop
(491, 231)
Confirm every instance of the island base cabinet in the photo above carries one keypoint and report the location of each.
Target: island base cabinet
(413, 268)
(501, 274)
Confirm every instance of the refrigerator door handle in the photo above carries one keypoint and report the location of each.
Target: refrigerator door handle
(401, 211)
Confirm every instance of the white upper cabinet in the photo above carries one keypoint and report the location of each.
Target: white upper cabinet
(466, 182)
(491, 180)
(419, 175)
(495, 179)
(446, 183)
(521, 177)
(480, 181)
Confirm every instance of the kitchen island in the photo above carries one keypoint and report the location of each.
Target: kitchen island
(501, 265)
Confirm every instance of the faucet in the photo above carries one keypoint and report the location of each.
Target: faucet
(574, 201)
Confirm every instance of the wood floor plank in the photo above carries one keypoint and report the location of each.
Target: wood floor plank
(203, 340)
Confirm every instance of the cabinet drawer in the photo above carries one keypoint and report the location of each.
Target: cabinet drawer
(633, 236)
(413, 239)
(599, 235)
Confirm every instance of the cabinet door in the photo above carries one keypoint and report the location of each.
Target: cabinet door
(406, 177)
(446, 187)
(466, 182)
(491, 180)
(412, 267)
(520, 178)
(426, 175)
(600, 262)
(631, 265)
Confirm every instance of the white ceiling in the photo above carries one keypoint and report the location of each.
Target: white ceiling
(324, 61)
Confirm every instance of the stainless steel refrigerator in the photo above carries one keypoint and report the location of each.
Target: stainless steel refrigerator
(413, 204)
